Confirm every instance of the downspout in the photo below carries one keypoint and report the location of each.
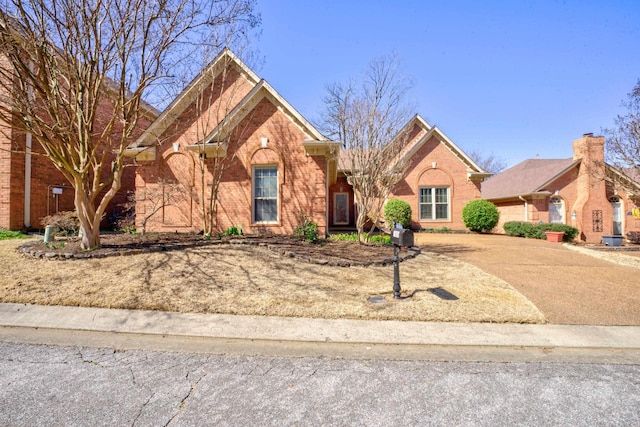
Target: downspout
(526, 208)
(326, 199)
(27, 182)
(27, 165)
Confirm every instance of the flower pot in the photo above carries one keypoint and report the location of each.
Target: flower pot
(554, 236)
(612, 240)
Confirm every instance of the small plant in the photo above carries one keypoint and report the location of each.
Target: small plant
(307, 229)
(381, 239)
(480, 215)
(397, 211)
(633, 236)
(8, 234)
(235, 230)
(344, 237)
(67, 222)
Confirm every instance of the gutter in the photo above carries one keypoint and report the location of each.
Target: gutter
(526, 208)
(27, 181)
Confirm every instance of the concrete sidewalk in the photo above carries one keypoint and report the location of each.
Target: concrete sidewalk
(320, 330)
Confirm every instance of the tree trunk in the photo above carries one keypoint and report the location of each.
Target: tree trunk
(360, 223)
(89, 220)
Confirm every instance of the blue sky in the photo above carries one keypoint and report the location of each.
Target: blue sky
(513, 78)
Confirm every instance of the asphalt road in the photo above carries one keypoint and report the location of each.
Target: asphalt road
(70, 385)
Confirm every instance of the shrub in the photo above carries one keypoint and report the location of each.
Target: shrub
(307, 229)
(480, 215)
(67, 222)
(397, 211)
(531, 231)
(633, 236)
(517, 228)
(235, 230)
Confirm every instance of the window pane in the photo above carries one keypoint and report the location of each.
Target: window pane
(442, 211)
(266, 210)
(441, 195)
(425, 212)
(265, 193)
(425, 195)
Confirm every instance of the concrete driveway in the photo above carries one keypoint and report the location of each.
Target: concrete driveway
(567, 286)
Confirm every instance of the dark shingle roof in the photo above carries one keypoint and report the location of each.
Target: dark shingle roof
(525, 178)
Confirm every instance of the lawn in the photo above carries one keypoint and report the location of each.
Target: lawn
(254, 280)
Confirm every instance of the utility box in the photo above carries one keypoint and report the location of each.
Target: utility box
(402, 237)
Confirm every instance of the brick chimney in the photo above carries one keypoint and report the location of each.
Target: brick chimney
(592, 208)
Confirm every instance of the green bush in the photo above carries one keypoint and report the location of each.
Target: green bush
(537, 231)
(398, 211)
(480, 215)
(307, 229)
(235, 230)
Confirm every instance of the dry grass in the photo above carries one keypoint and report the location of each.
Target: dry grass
(242, 279)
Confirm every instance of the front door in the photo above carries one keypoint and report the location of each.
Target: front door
(616, 207)
(341, 208)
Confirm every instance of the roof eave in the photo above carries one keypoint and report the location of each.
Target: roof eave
(532, 195)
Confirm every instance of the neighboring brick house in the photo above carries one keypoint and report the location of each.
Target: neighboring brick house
(439, 180)
(277, 165)
(582, 191)
(30, 185)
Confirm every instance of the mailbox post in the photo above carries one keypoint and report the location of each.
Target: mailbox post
(399, 237)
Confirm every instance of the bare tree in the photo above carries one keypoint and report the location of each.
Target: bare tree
(622, 144)
(489, 162)
(167, 193)
(81, 70)
(217, 133)
(369, 120)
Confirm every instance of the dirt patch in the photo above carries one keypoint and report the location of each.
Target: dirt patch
(254, 280)
(341, 253)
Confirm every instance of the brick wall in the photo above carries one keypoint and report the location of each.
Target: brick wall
(301, 178)
(44, 177)
(435, 165)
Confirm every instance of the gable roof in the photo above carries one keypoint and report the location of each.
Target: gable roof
(527, 178)
(474, 171)
(260, 91)
(150, 136)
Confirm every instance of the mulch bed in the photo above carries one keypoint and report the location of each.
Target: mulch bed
(329, 252)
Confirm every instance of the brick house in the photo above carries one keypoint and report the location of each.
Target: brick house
(274, 165)
(278, 165)
(582, 191)
(439, 180)
(30, 185)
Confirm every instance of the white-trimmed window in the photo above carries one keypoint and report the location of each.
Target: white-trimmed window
(433, 203)
(556, 210)
(265, 194)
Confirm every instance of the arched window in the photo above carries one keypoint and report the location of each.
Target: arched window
(556, 210)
